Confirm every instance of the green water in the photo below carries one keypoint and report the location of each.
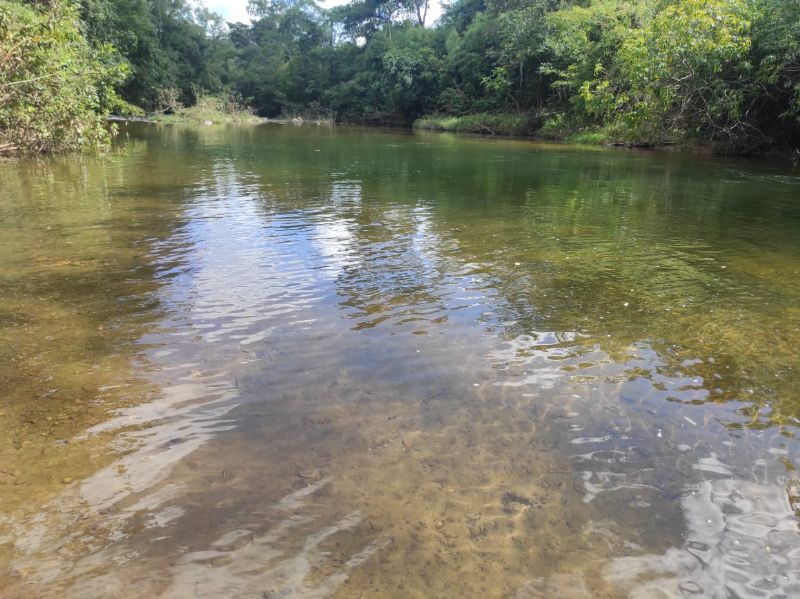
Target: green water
(286, 361)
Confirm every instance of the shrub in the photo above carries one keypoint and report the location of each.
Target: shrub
(54, 88)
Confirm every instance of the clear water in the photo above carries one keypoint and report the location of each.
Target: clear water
(302, 362)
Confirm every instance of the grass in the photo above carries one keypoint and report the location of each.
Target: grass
(570, 129)
(486, 124)
(555, 127)
(566, 128)
(210, 110)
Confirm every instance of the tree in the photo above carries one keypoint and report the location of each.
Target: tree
(775, 54)
(689, 71)
(412, 71)
(727, 71)
(54, 87)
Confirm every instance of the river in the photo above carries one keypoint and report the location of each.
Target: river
(301, 361)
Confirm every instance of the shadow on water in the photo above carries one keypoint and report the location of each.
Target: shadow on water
(301, 362)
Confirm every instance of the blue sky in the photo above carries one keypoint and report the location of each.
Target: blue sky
(236, 10)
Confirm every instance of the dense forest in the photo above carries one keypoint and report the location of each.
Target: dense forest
(723, 72)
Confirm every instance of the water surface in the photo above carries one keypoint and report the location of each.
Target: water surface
(302, 362)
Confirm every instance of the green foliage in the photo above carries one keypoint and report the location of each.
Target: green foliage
(776, 60)
(688, 71)
(411, 71)
(722, 71)
(54, 87)
(484, 124)
(227, 107)
(726, 71)
(280, 62)
(168, 44)
(582, 44)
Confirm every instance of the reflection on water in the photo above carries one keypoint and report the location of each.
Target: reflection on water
(741, 541)
(268, 362)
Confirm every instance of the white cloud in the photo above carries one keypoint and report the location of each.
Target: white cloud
(231, 10)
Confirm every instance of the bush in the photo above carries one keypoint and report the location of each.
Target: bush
(227, 107)
(54, 88)
(486, 124)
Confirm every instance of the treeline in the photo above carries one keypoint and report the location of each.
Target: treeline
(721, 71)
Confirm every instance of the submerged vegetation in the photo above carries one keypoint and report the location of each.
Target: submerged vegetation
(722, 72)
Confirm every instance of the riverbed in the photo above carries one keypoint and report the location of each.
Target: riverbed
(298, 361)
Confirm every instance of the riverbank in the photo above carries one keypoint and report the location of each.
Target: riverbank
(516, 125)
(534, 125)
(218, 119)
(553, 127)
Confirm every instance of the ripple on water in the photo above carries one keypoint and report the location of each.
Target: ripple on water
(741, 541)
(369, 380)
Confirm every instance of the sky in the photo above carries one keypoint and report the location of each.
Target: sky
(236, 10)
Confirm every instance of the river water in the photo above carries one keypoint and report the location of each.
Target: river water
(285, 361)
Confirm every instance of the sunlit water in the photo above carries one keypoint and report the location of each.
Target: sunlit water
(299, 362)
